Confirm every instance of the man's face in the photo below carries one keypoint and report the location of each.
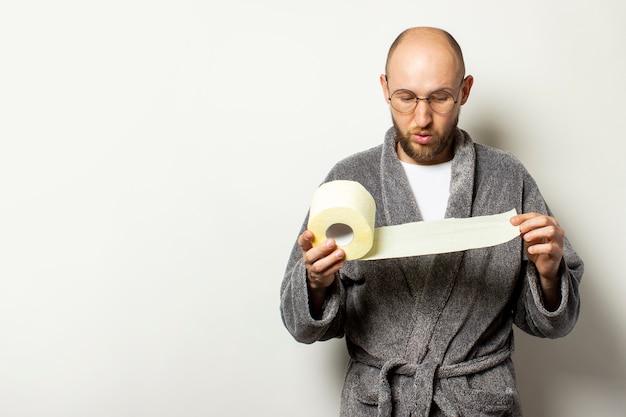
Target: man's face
(425, 137)
(425, 140)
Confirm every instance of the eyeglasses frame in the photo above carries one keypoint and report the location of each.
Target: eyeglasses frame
(427, 99)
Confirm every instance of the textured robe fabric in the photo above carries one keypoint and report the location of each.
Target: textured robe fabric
(432, 335)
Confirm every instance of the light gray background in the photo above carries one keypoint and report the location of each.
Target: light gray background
(157, 158)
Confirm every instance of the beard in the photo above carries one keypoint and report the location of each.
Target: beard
(426, 154)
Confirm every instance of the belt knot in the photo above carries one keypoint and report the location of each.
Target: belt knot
(424, 377)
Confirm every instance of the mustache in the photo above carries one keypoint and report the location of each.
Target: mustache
(422, 132)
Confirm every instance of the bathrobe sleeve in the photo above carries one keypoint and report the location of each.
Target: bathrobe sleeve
(531, 315)
(295, 304)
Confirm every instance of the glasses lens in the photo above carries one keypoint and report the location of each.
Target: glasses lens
(441, 102)
(403, 101)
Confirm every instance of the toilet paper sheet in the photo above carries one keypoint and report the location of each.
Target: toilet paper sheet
(345, 211)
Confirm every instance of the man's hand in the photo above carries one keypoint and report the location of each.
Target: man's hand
(321, 262)
(543, 242)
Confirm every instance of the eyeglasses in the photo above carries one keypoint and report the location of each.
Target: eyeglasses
(405, 101)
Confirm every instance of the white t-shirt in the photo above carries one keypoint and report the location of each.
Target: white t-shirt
(431, 187)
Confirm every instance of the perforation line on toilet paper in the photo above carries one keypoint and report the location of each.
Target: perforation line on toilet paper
(348, 203)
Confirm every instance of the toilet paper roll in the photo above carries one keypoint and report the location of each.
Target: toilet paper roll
(345, 211)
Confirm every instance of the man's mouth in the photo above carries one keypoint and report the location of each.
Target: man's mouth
(422, 138)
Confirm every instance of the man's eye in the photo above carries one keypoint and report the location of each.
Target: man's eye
(405, 97)
(439, 97)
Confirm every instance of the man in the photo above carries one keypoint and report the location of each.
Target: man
(432, 335)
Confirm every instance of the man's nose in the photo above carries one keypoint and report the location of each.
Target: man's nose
(423, 114)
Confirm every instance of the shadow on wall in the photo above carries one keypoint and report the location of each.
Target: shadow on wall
(589, 358)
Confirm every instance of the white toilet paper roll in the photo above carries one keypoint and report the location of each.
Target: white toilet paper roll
(345, 211)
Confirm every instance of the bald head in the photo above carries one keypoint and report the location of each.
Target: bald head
(421, 38)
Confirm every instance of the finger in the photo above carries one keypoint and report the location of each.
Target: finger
(531, 221)
(518, 219)
(542, 247)
(324, 250)
(543, 234)
(305, 240)
(322, 271)
(549, 247)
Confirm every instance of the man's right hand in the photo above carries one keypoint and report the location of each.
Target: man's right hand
(321, 262)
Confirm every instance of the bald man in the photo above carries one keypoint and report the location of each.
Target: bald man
(432, 335)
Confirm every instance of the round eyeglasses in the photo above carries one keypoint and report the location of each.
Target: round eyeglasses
(405, 101)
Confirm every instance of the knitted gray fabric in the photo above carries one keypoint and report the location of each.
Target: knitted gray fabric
(432, 335)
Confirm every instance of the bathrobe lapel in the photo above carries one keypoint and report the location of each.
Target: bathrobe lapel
(431, 277)
(399, 205)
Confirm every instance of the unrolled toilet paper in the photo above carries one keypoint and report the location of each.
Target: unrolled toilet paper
(345, 211)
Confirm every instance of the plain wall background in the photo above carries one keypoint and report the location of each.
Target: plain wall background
(157, 159)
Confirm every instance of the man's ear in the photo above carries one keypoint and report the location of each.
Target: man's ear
(466, 88)
(385, 87)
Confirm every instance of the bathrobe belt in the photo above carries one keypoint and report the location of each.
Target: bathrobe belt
(424, 376)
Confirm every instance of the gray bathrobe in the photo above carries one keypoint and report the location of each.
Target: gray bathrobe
(432, 335)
